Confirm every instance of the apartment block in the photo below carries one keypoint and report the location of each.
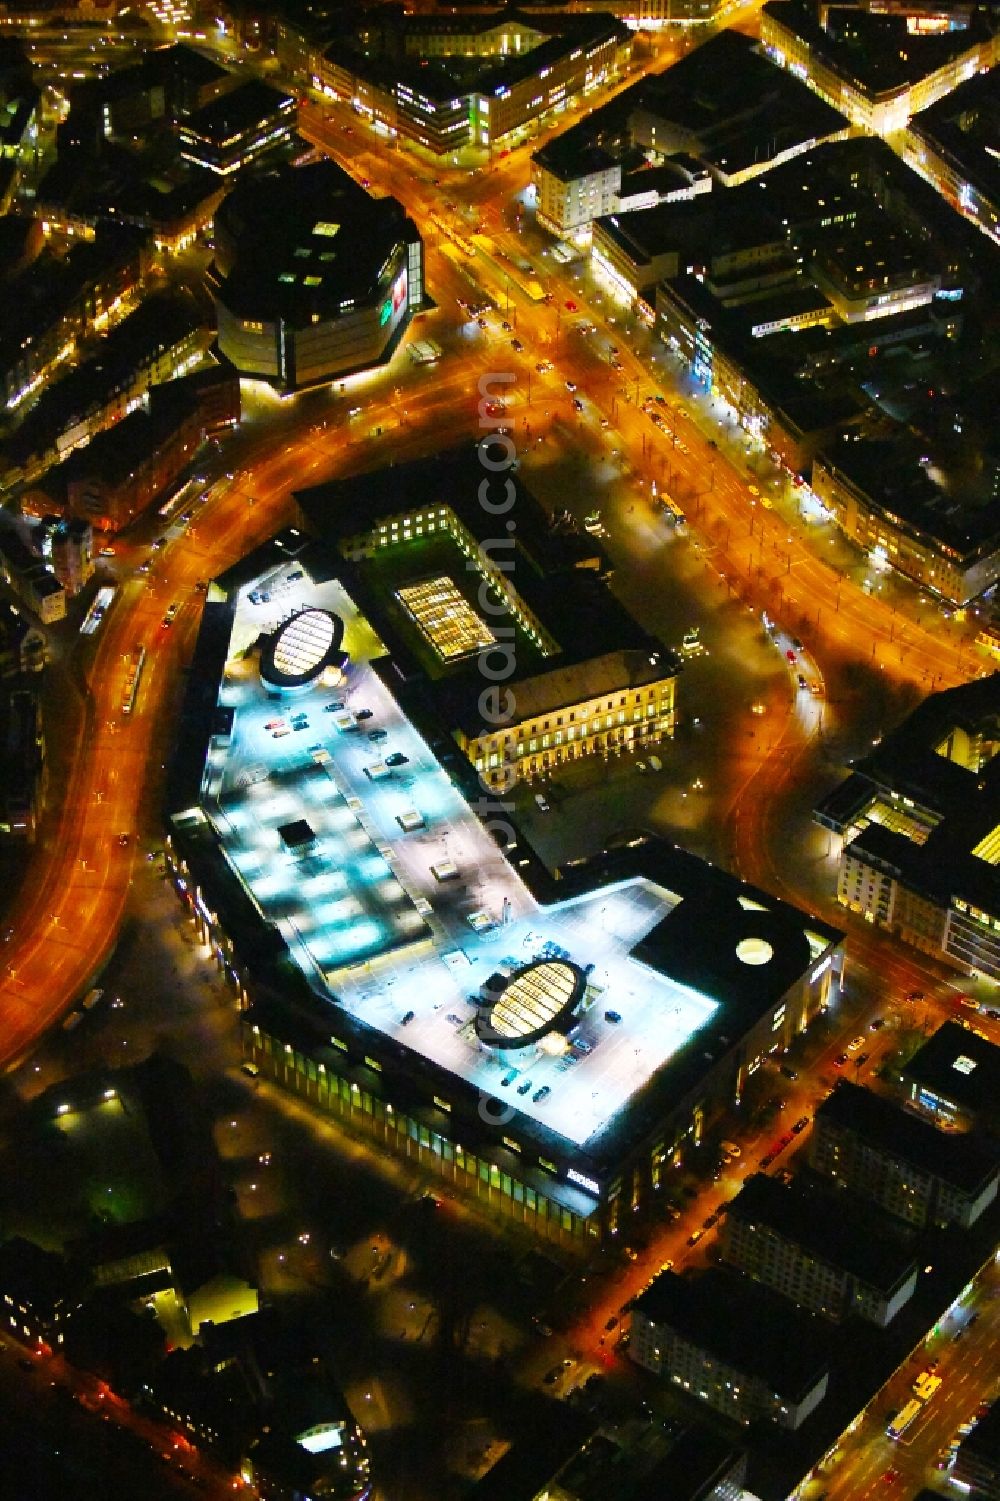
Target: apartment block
(918, 817)
(881, 1151)
(738, 1347)
(830, 1257)
(872, 66)
(38, 1292)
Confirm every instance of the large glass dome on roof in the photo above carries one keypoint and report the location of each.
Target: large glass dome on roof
(301, 648)
(535, 1000)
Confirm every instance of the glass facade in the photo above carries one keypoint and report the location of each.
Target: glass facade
(493, 1183)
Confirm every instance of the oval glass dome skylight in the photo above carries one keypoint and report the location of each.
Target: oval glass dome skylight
(301, 648)
(532, 1003)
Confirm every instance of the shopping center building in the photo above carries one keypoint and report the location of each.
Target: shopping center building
(551, 1043)
(448, 82)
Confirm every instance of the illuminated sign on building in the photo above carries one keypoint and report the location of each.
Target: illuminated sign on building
(395, 300)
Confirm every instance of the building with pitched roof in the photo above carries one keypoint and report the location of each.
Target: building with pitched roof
(919, 818)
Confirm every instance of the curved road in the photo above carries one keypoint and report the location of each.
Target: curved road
(70, 907)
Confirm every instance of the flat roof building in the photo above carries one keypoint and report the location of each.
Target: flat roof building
(23, 766)
(887, 496)
(165, 85)
(955, 1078)
(720, 116)
(829, 1256)
(584, 678)
(727, 105)
(23, 646)
(719, 233)
(397, 966)
(977, 1462)
(238, 127)
(732, 1344)
(881, 1151)
(877, 70)
(576, 181)
(312, 278)
(29, 578)
(563, 1456)
(471, 79)
(956, 140)
(48, 303)
(39, 1292)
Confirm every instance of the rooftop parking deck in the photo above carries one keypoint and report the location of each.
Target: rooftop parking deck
(401, 906)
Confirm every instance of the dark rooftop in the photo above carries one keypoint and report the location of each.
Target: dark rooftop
(962, 1161)
(174, 67)
(444, 77)
(984, 1441)
(553, 1435)
(586, 622)
(960, 1066)
(728, 103)
(42, 288)
(696, 1464)
(913, 761)
(114, 455)
(573, 154)
(743, 1324)
(27, 1271)
(700, 230)
(239, 110)
(302, 240)
(676, 175)
(875, 52)
(160, 322)
(884, 463)
(964, 127)
(854, 1238)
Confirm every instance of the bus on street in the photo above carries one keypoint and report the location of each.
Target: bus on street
(136, 663)
(904, 1418)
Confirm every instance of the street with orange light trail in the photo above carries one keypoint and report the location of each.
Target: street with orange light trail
(65, 919)
(71, 904)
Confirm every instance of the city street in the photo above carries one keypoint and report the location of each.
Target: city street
(446, 1323)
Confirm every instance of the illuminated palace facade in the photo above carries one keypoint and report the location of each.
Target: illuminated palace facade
(550, 1043)
(618, 696)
